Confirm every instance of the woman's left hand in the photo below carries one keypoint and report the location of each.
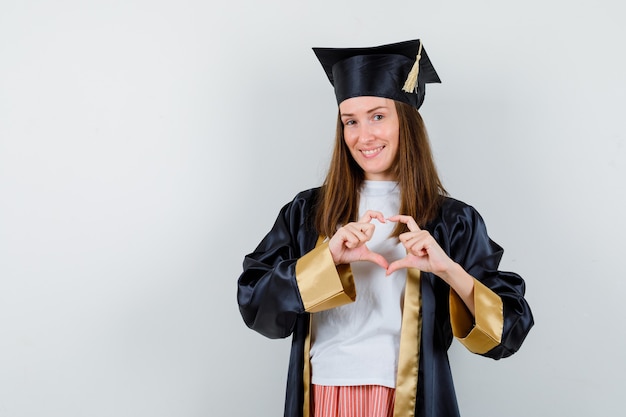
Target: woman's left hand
(423, 251)
(425, 254)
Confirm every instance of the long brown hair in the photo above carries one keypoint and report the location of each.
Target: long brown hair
(421, 189)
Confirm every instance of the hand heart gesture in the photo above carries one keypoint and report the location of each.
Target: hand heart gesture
(348, 244)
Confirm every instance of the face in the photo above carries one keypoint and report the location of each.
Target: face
(371, 132)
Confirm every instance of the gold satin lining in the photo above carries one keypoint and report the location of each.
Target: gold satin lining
(323, 285)
(408, 359)
(487, 332)
(306, 373)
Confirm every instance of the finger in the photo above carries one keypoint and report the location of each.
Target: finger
(370, 215)
(344, 237)
(376, 258)
(351, 241)
(408, 220)
(364, 231)
(407, 236)
(354, 238)
(418, 249)
(418, 244)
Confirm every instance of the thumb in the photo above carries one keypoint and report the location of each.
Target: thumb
(376, 258)
(399, 264)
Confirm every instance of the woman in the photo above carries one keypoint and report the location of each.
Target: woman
(374, 272)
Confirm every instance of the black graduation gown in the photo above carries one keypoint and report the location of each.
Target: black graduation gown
(271, 302)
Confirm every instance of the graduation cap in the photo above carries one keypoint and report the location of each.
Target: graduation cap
(399, 71)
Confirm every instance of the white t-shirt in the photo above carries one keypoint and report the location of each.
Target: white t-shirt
(357, 343)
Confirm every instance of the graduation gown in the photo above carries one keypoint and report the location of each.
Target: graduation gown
(291, 275)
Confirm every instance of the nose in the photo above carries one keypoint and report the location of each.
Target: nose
(366, 133)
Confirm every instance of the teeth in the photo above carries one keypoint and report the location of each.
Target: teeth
(371, 151)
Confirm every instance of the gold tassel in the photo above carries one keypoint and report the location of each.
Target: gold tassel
(411, 80)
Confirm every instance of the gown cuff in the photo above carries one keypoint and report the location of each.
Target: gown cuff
(322, 284)
(483, 333)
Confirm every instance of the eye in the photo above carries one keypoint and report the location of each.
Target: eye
(349, 122)
(378, 117)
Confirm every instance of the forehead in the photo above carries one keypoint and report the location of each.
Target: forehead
(364, 104)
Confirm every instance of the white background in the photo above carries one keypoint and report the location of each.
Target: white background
(147, 146)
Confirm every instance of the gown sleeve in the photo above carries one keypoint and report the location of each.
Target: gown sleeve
(502, 315)
(288, 274)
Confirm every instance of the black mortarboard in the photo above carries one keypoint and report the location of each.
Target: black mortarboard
(398, 71)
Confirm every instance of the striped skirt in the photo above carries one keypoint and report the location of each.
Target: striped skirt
(352, 401)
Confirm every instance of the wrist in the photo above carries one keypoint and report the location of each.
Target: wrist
(451, 272)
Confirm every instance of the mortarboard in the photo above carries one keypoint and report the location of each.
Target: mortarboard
(399, 71)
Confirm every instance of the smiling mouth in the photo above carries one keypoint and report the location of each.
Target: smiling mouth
(370, 152)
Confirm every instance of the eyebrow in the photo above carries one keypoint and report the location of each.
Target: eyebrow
(368, 112)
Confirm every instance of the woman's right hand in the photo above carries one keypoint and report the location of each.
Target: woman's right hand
(348, 243)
